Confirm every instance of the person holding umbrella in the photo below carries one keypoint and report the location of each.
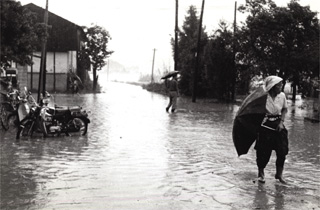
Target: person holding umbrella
(260, 119)
(272, 134)
(173, 93)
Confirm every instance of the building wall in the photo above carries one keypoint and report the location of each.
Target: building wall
(72, 61)
(61, 82)
(22, 77)
(58, 64)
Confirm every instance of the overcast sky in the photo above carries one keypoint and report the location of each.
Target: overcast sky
(139, 26)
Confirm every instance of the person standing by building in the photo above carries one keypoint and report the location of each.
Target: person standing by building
(75, 86)
(173, 93)
(272, 134)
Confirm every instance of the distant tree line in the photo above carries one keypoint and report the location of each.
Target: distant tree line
(273, 40)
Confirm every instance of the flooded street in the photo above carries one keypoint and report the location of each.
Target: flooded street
(137, 156)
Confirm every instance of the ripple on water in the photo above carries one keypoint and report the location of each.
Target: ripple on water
(137, 156)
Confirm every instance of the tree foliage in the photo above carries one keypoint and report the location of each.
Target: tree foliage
(96, 48)
(20, 33)
(219, 63)
(187, 45)
(282, 41)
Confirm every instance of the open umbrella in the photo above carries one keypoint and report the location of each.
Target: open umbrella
(76, 77)
(248, 120)
(170, 74)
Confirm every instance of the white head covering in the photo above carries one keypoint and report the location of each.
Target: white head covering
(271, 81)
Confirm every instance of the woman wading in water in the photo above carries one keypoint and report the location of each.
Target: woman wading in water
(272, 134)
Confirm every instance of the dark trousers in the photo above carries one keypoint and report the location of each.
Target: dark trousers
(173, 95)
(269, 140)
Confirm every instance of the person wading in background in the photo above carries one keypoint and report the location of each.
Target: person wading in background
(173, 93)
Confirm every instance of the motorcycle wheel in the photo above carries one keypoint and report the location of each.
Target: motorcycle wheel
(79, 126)
(25, 130)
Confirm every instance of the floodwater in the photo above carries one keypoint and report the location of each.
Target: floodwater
(137, 156)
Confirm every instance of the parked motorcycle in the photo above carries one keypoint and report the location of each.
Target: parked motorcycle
(52, 120)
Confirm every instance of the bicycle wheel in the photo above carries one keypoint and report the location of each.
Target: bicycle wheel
(11, 122)
(4, 118)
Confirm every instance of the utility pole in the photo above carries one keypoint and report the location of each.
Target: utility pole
(152, 79)
(233, 86)
(195, 72)
(42, 75)
(176, 40)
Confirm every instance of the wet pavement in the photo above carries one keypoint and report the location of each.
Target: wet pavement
(137, 156)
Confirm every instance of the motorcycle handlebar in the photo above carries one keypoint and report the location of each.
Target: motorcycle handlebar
(29, 98)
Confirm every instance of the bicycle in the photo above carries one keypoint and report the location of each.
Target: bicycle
(8, 110)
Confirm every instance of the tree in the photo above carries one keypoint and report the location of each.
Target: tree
(187, 46)
(281, 40)
(219, 63)
(19, 33)
(95, 48)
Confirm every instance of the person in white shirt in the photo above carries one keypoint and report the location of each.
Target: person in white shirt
(272, 134)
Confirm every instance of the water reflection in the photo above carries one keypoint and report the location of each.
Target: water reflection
(279, 196)
(261, 200)
(28, 166)
(137, 156)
